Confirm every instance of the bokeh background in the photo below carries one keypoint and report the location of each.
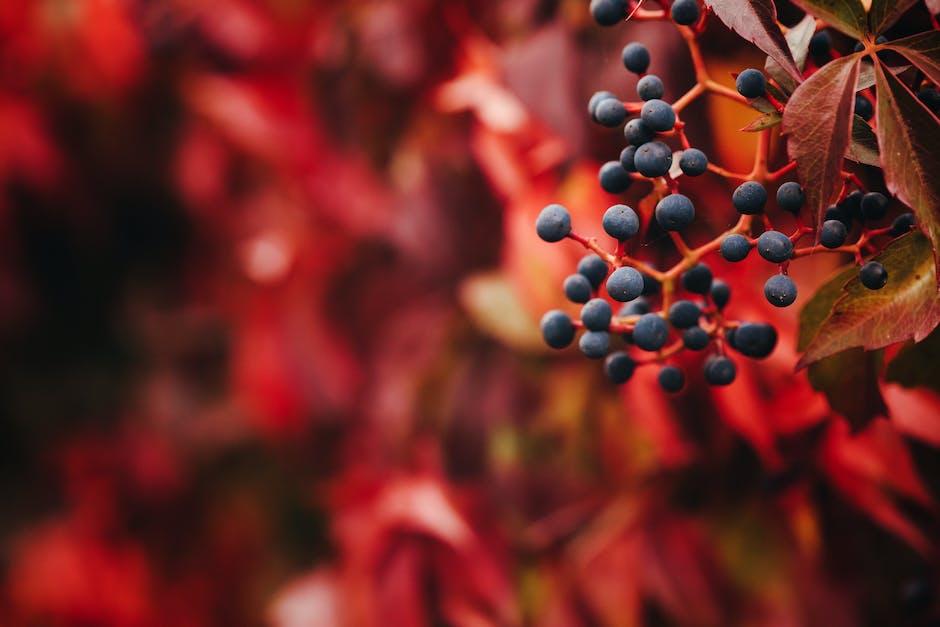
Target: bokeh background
(269, 292)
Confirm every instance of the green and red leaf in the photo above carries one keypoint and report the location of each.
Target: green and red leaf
(850, 382)
(797, 38)
(863, 147)
(847, 16)
(923, 50)
(756, 21)
(818, 122)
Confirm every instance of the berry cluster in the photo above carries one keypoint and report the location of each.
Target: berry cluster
(666, 312)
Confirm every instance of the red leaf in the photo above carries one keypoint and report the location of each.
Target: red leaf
(923, 50)
(756, 21)
(914, 412)
(818, 120)
(847, 16)
(884, 13)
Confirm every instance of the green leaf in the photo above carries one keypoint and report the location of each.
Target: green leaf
(923, 50)
(762, 104)
(756, 21)
(907, 307)
(884, 13)
(915, 365)
(850, 382)
(909, 140)
(798, 42)
(818, 122)
(863, 147)
(764, 122)
(847, 16)
(818, 307)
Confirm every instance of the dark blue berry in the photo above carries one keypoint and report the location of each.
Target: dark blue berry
(608, 12)
(596, 315)
(685, 12)
(577, 288)
(734, 247)
(874, 206)
(873, 275)
(693, 162)
(596, 99)
(653, 159)
(753, 339)
(780, 290)
(774, 246)
(834, 212)
(636, 57)
(720, 293)
(636, 132)
(650, 87)
(833, 234)
(749, 198)
(658, 115)
(557, 329)
(751, 83)
(695, 338)
(671, 378)
(619, 367)
(684, 314)
(674, 212)
(851, 205)
(594, 268)
(621, 222)
(650, 332)
(790, 197)
(625, 284)
(697, 279)
(594, 344)
(610, 112)
(626, 158)
(820, 44)
(613, 178)
(553, 223)
(637, 307)
(930, 97)
(902, 224)
(863, 107)
(719, 370)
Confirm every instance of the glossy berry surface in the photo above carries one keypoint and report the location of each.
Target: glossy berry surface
(749, 198)
(834, 212)
(790, 197)
(774, 246)
(695, 338)
(577, 288)
(719, 371)
(671, 378)
(873, 275)
(863, 107)
(637, 133)
(697, 279)
(685, 12)
(684, 314)
(674, 212)
(553, 223)
(874, 206)
(610, 112)
(650, 332)
(754, 339)
(613, 178)
(653, 159)
(627, 156)
(902, 224)
(734, 247)
(832, 234)
(720, 293)
(658, 115)
(557, 329)
(594, 344)
(751, 83)
(596, 99)
(619, 367)
(820, 44)
(625, 284)
(594, 268)
(596, 315)
(620, 222)
(608, 12)
(780, 290)
(650, 87)
(635, 57)
(693, 162)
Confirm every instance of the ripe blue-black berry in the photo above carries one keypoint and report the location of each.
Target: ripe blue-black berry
(719, 370)
(863, 107)
(833, 234)
(608, 12)
(751, 83)
(774, 246)
(610, 112)
(596, 314)
(619, 367)
(873, 275)
(653, 159)
(636, 132)
(930, 97)
(693, 162)
(780, 290)
(720, 293)
(835, 212)
(684, 314)
(685, 12)
(637, 307)
(754, 339)
(695, 338)
(650, 87)
(577, 288)
(620, 222)
(636, 57)
(593, 268)
(749, 198)
(594, 344)
(658, 115)
(613, 178)
(902, 224)
(596, 99)
(790, 197)
(626, 158)
(625, 284)
(553, 223)
(650, 285)
(851, 205)
(557, 329)
(820, 44)
(874, 206)
(671, 378)
(650, 332)
(674, 212)
(734, 247)
(697, 279)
